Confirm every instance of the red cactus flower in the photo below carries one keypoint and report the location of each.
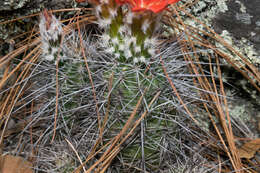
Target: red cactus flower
(79, 1)
(143, 5)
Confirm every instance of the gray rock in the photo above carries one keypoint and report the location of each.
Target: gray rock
(12, 4)
(7, 5)
(242, 21)
(237, 21)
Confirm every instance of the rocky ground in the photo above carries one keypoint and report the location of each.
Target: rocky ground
(238, 21)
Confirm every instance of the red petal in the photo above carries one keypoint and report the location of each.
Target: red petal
(143, 5)
(79, 1)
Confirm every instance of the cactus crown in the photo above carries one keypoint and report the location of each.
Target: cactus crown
(130, 28)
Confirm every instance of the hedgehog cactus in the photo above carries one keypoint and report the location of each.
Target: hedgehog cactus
(66, 52)
(127, 47)
(129, 38)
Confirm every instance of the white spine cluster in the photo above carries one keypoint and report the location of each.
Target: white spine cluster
(151, 51)
(126, 44)
(150, 42)
(105, 38)
(123, 30)
(137, 49)
(132, 40)
(136, 60)
(110, 50)
(129, 17)
(145, 26)
(115, 41)
(128, 54)
(117, 55)
(113, 13)
(121, 47)
(104, 23)
(142, 59)
(98, 10)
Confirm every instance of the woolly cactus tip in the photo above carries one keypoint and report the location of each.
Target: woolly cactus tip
(51, 32)
(50, 26)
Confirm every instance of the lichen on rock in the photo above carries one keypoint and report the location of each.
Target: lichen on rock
(240, 23)
(236, 21)
(12, 4)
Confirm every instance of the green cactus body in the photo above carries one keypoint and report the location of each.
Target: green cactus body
(129, 39)
(74, 81)
(130, 43)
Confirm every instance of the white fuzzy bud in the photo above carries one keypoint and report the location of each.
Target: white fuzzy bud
(50, 27)
(132, 40)
(150, 42)
(137, 49)
(121, 47)
(128, 54)
(104, 23)
(117, 55)
(151, 51)
(115, 41)
(136, 60)
(110, 50)
(142, 59)
(49, 57)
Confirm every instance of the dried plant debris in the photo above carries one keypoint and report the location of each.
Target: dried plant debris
(249, 149)
(15, 164)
